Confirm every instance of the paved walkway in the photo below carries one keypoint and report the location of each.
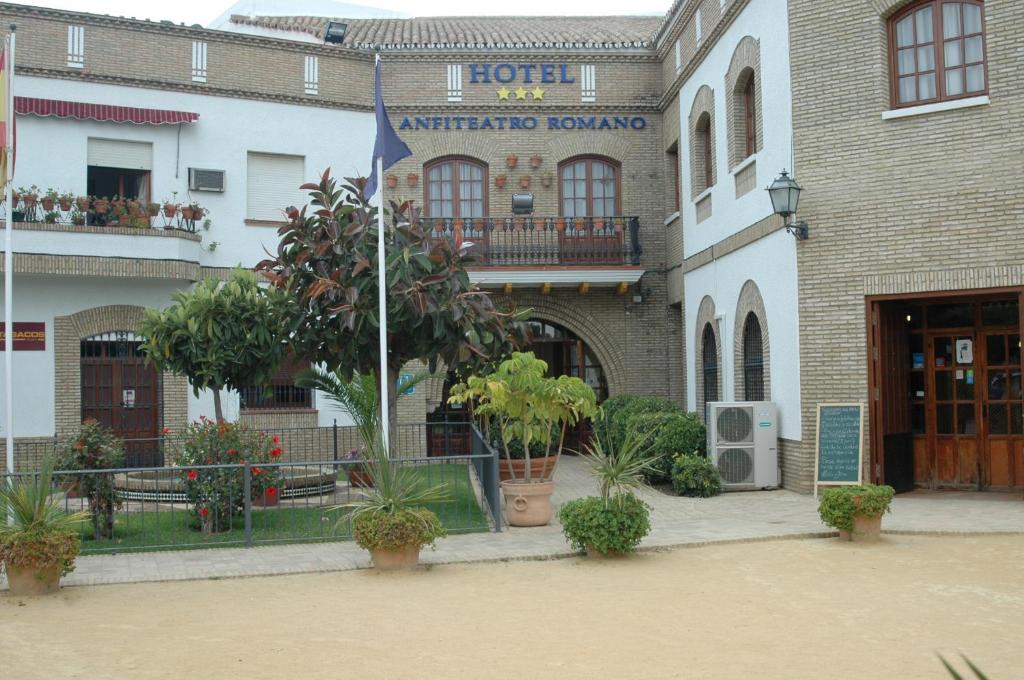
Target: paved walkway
(675, 522)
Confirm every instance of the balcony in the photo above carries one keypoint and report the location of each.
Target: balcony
(544, 241)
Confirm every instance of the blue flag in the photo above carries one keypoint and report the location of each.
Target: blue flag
(387, 146)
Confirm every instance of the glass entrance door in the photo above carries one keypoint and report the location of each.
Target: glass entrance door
(955, 408)
(1002, 402)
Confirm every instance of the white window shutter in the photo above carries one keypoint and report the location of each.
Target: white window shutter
(76, 46)
(272, 184)
(697, 27)
(312, 74)
(115, 153)
(455, 82)
(588, 83)
(198, 61)
(679, 55)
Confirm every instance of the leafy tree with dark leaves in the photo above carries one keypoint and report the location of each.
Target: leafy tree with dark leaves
(326, 261)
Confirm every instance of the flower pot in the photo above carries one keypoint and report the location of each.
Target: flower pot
(546, 181)
(535, 161)
(540, 468)
(83, 203)
(528, 504)
(865, 529)
(30, 200)
(359, 478)
(412, 179)
(392, 181)
(186, 213)
(65, 205)
(524, 182)
(499, 181)
(393, 560)
(153, 209)
(101, 205)
(170, 210)
(47, 204)
(266, 499)
(34, 580)
(511, 160)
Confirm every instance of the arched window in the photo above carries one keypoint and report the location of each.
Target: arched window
(753, 359)
(455, 187)
(589, 187)
(704, 152)
(937, 52)
(750, 116)
(709, 350)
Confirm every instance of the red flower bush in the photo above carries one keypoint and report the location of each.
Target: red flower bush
(203, 512)
(271, 491)
(274, 453)
(192, 474)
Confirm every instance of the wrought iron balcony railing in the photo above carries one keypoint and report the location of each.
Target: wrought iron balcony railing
(543, 241)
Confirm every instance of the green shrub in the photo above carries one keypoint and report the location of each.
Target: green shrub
(695, 476)
(619, 412)
(611, 527)
(394, 531)
(839, 504)
(94, 448)
(671, 435)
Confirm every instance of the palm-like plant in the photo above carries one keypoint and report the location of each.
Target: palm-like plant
(357, 397)
(396, 487)
(621, 469)
(30, 509)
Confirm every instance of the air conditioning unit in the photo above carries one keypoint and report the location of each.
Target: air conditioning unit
(743, 440)
(200, 179)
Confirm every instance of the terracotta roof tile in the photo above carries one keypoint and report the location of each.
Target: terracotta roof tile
(610, 32)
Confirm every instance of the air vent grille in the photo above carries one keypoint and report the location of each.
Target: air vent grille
(736, 466)
(736, 425)
(205, 180)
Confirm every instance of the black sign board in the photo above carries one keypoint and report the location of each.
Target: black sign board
(838, 450)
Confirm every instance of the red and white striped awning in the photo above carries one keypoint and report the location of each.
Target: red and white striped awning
(31, 106)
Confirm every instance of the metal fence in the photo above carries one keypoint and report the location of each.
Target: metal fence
(282, 502)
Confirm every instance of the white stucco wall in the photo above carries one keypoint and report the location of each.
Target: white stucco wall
(771, 261)
(53, 153)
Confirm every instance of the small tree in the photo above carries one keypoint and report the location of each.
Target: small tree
(219, 336)
(326, 261)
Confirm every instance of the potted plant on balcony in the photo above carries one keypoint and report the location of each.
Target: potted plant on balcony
(170, 209)
(390, 519)
(65, 201)
(523, 403)
(856, 511)
(83, 203)
(49, 199)
(615, 522)
(29, 198)
(40, 543)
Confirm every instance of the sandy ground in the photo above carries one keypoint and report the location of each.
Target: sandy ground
(784, 609)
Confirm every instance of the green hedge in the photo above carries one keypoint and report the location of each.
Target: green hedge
(612, 528)
(672, 434)
(695, 476)
(619, 412)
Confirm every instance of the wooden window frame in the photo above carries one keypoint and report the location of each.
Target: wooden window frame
(456, 202)
(615, 165)
(938, 42)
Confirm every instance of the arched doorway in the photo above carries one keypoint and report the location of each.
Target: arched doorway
(121, 392)
(567, 354)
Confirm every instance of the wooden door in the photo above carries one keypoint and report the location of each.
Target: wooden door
(955, 409)
(121, 392)
(1002, 400)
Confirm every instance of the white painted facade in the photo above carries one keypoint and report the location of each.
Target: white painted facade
(771, 261)
(52, 152)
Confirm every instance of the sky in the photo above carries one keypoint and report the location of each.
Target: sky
(205, 11)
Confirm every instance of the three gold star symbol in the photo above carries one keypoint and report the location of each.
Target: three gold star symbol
(538, 93)
(503, 93)
(521, 93)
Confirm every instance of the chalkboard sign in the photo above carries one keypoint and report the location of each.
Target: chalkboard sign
(840, 433)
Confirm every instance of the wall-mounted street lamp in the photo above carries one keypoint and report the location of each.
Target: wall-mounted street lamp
(335, 32)
(785, 195)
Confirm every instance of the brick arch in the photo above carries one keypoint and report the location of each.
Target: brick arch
(588, 143)
(745, 64)
(69, 331)
(750, 302)
(449, 144)
(703, 105)
(705, 316)
(608, 351)
(886, 8)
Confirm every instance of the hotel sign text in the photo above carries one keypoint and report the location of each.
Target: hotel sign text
(523, 122)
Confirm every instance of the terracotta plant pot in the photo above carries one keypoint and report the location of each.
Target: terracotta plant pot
(499, 181)
(47, 204)
(170, 210)
(83, 203)
(511, 160)
(412, 179)
(359, 478)
(528, 504)
(266, 500)
(65, 204)
(42, 580)
(30, 200)
(546, 181)
(153, 209)
(101, 206)
(186, 213)
(524, 182)
(535, 161)
(392, 181)
(865, 530)
(540, 468)
(394, 560)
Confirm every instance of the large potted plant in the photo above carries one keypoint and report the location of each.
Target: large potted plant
(40, 542)
(614, 522)
(93, 450)
(389, 519)
(856, 511)
(522, 403)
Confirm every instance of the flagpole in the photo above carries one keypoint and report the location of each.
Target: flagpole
(385, 380)
(9, 268)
